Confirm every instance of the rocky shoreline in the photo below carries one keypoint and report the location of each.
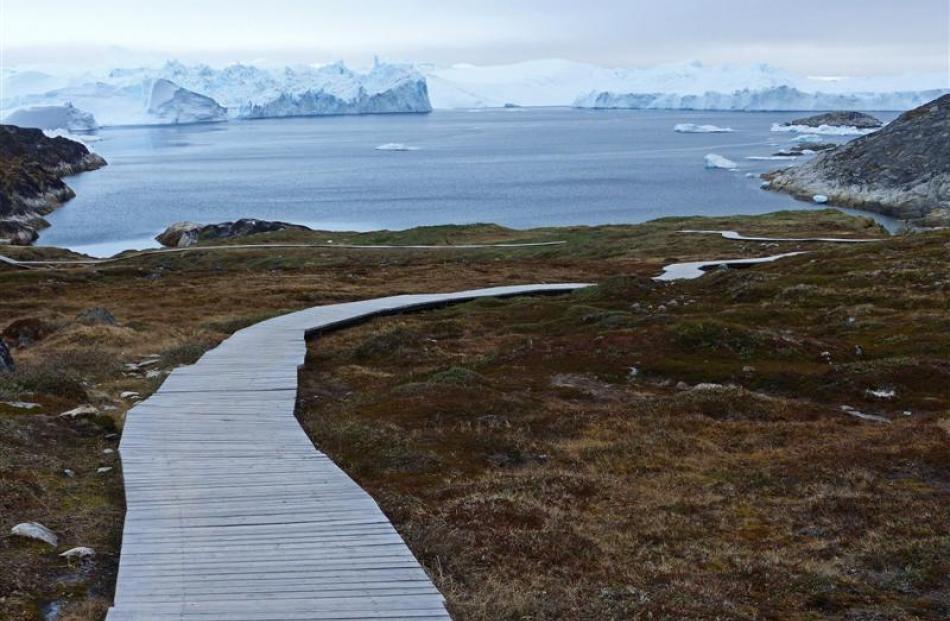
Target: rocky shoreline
(901, 171)
(32, 167)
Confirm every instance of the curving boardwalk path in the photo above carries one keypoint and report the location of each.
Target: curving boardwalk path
(694, 269)
(735, 235)
(233, 515)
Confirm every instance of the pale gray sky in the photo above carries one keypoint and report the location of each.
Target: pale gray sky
(824, 37)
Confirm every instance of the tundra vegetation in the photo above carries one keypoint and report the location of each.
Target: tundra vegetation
(635, 450)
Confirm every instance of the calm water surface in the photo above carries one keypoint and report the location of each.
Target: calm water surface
(519, 168)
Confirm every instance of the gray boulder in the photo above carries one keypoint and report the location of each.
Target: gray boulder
(6, 359)
(183, 234)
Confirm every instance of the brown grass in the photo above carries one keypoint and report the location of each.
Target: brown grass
(177, 306)
(536, 478)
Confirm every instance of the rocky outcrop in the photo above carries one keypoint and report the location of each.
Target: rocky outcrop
(860, 120)
(805, 148)
(32, 166)
(182, 234)
(902, 170)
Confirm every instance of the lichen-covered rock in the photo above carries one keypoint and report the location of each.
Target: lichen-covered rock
(32, 166)
(902, 170)
(96, 315)
(861, 120)
(182, 234)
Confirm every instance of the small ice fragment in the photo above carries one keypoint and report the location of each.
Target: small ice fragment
(396, 146)
(821, 199)
(719, 162)
(691, 128)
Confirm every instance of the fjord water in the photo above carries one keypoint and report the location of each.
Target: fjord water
(516, 167)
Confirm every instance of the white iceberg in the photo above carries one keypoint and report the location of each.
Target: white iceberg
(719, 162)
(690, 128)
(177, 93)
(173, 104)
(689, 85)
(64, 117)
(396, 146)
(825, 130)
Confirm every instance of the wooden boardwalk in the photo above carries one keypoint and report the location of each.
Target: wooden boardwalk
(233, 515)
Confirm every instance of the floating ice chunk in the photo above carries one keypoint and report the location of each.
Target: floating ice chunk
(821, 199)
(691, 128)
(396, 146)
(717, 161)
(827, 130)
(35, 530)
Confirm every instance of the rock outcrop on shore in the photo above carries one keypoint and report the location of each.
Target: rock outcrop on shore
(183, 234)
(32, 166)
(860, 120)
(902, 170)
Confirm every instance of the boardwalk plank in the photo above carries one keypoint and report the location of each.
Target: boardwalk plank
(233, 515)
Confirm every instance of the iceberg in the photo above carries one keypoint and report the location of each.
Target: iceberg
(65, 117)
(779, 98)
(173, 104)
(690, 128)
(719, 162)
(689, 85)
(251, 92)
(176, 93)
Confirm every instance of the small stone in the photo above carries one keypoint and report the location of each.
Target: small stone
(22, 405)
(129, 394)
(35, 530)
(632, 373)
(79, 552)
(108, 451)
(103, 469)
(96, 315)
(69, 473)
(748, 369)
(82, 410)
(682, 386)
(6, 359)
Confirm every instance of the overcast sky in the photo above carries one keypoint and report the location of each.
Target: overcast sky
(815, 37)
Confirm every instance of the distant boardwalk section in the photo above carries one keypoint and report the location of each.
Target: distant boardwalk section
(233, 515)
